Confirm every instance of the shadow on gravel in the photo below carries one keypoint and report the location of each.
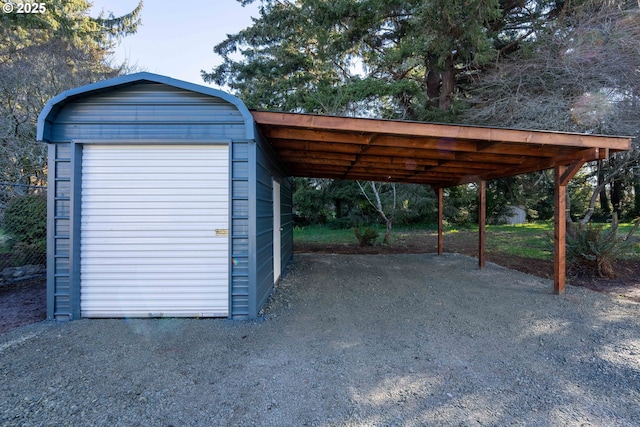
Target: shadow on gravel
(346, 340)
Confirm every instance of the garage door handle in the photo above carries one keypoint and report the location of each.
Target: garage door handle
(222, 231)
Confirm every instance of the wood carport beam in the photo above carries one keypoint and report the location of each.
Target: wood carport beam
(562, 176)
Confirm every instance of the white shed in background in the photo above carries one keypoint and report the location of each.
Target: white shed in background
(515, 215)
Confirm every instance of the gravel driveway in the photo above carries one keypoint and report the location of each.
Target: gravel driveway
(347, 340)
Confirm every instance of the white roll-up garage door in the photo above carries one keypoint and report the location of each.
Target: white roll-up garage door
(154, 231)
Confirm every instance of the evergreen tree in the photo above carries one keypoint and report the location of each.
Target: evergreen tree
(41, 55)
(382, 58)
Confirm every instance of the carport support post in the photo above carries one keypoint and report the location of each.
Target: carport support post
(482, 219)
(439, 191)
(559, 232)
(562, 176)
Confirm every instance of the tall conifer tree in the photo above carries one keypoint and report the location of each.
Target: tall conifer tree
(41, 55)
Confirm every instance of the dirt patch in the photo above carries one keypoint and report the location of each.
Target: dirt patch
(22, 303)
(626, 284)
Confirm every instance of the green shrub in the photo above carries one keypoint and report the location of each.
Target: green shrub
(366, 237)
(25, 223)
(594, 249)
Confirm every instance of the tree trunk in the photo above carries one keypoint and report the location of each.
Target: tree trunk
(378, 206)
(592, 205)
(433, 88)
(448, 84)
(604, 201)
(617, 196)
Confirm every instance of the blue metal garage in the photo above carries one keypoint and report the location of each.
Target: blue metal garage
(164, 200)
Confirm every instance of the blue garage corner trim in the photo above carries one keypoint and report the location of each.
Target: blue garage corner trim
(52, 107)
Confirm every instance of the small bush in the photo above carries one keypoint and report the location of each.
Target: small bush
(592, 249)
(366, 237)
(25, 223)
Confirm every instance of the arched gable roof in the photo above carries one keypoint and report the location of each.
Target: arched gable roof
(54, 105)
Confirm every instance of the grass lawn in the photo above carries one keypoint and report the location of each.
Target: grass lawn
(531, 240)
(324, 235)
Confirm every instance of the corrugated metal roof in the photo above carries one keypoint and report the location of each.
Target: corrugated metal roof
(91, 93)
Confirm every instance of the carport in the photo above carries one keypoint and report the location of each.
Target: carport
(439, 155)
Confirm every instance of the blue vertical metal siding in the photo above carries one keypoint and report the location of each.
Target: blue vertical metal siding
(286, 209)
(264, 227)
(239, 298)
(59, 298)
(74, 234)
(267, 169)
(254, 168)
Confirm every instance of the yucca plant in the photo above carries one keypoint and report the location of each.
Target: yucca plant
(366, 237)
(594, 249)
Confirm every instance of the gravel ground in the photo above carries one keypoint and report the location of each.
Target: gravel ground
(346, 340)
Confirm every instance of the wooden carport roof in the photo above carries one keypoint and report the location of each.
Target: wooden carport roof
(440, 155)
(436, 154)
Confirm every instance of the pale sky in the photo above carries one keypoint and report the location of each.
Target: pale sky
(176, 38)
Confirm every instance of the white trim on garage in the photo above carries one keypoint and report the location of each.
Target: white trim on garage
(154, 231)
(277, 233)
